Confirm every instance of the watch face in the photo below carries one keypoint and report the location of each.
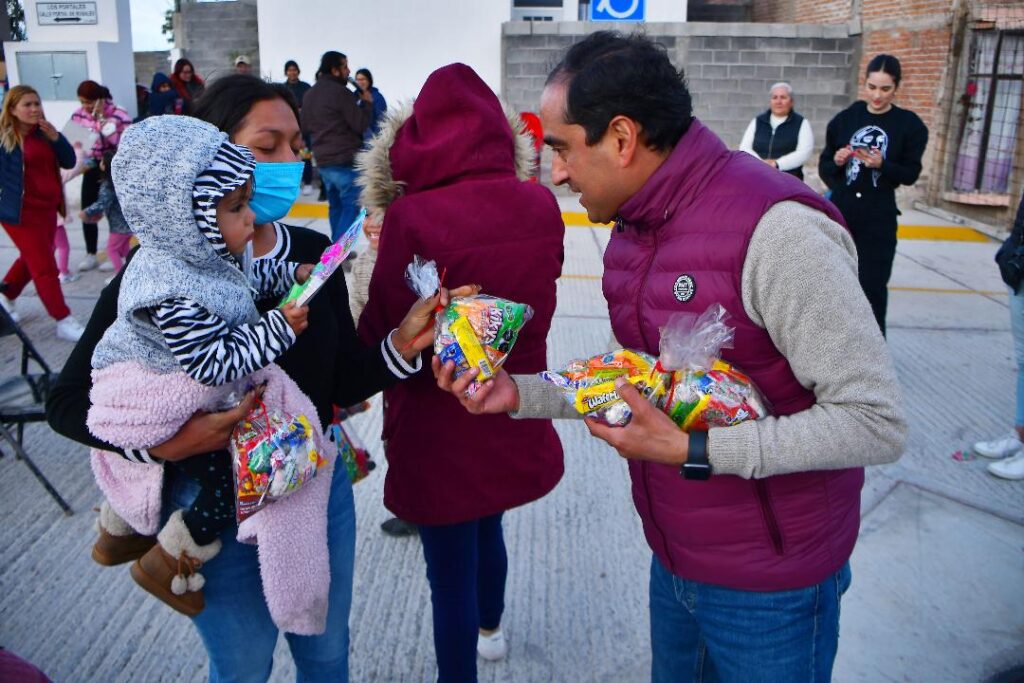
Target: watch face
(699, 471)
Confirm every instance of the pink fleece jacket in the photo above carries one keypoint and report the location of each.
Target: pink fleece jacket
(134, 407)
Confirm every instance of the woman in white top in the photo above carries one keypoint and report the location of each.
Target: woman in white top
(779, 136)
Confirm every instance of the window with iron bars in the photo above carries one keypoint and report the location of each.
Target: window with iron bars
(991, 112)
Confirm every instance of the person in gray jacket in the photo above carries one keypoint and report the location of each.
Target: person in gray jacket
(336, 121)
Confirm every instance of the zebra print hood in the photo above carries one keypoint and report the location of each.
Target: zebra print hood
(169, 173)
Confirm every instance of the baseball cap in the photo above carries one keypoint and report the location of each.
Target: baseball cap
(242, 59)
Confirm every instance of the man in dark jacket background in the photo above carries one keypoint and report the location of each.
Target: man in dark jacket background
(751, 526)
(335, 121)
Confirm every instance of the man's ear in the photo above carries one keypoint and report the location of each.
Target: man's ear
(625, 134)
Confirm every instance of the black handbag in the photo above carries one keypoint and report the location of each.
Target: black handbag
(1010, 257)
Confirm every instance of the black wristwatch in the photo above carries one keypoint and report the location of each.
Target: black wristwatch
(697, 465)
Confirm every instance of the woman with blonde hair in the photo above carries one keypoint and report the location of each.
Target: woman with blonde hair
(32, 153)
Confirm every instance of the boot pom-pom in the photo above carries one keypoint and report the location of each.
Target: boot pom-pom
(196, 582)
(179, 585)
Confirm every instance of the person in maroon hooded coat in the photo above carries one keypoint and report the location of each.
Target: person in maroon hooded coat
(451, 175)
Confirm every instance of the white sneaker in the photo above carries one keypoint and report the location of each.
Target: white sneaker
(88, 263)
(65, 278)
(10, 307)
(1009, 468)
(493, 647)
(307, 190)
(106, 267)
(999, 448)
(69, 329)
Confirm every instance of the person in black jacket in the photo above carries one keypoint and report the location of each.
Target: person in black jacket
(328, 362)
(871, 148)
(780, 137)
(1009, 450)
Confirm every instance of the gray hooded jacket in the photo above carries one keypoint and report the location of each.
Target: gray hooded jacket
(155, 173)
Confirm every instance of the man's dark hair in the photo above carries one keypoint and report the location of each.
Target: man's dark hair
(887, 64)
(608, 74)
(290, 63)
(226, 102)
(330, 60)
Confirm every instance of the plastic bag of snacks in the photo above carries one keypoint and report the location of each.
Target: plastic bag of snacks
(351, 452)
(688, 381)
(274, 455)
(330, 261)
(475, 332)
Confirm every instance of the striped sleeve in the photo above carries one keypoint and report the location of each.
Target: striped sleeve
(141, 456)
(394, 361)
(212, 353)
(273, 277)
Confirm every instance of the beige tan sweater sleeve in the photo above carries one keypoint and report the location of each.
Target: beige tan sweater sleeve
(800, 284)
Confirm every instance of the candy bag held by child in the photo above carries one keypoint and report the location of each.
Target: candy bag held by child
(351, 452)
(705, 391)
(330, 260)
(274, 455)
(475, 332)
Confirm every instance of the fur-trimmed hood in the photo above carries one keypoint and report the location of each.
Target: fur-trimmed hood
(446, 134)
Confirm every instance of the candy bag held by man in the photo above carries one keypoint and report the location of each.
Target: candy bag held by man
(475, 332)
(273, 455)
(688, 382)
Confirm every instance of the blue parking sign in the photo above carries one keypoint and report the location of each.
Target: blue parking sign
(617, 10)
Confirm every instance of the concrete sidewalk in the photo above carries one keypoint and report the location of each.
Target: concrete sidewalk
(938, 574)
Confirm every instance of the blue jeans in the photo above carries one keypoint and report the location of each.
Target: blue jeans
(1017, 327)
(342, 197)
(466, 568)
(236, 627)
(702, 633)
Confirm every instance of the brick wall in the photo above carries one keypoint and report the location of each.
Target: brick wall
(729, 67)
(803, 11)
(148, 63)
(214, 33)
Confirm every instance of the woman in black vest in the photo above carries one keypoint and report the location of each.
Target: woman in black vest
(779, 136)
(871, 147)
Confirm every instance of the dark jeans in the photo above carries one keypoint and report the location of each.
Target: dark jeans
(876, 250)
(466, 568)
(213, 510)
(91, 181)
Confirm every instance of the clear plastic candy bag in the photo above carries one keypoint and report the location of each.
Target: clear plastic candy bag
(273, 455)
(475, 332)
(688, 382)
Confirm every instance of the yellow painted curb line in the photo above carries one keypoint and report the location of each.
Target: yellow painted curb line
(577, 219)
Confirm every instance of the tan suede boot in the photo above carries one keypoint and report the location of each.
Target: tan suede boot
(170, 570)
(117, 542)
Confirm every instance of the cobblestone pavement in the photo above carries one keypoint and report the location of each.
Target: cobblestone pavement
(938, 573)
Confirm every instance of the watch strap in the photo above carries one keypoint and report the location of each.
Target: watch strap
(697, 466)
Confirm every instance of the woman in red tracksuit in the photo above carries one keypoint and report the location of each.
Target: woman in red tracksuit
(31, 195)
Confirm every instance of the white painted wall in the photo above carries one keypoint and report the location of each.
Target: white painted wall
(108, 48)
(665, 10)
(400, 41)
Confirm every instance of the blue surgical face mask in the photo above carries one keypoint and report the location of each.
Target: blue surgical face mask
(275, 188)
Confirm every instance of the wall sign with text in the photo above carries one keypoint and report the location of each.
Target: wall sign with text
(617, 10)
(66, 13)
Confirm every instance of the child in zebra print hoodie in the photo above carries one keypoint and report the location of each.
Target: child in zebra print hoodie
(186, 305)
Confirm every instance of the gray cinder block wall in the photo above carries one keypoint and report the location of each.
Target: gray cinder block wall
(148, 63)
(729, 68)
(214, 33)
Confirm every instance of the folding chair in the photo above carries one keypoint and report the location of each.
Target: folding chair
(23, 401)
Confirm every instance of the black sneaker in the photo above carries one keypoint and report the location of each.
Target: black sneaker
(398, 528)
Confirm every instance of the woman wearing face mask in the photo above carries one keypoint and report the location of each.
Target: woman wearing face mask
(871, 148)
(105, 121)
(328, 363)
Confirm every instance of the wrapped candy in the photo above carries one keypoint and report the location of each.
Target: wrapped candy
(688, 381)
(273, 455)
(475, 332)
(330, 261)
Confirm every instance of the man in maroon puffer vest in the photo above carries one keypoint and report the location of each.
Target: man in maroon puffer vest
(751, 526)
